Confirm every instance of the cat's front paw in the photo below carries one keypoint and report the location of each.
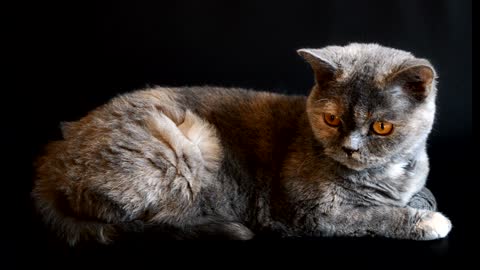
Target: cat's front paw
(432, 225)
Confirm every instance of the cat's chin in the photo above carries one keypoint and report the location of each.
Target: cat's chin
(356, 165)
(351, 163)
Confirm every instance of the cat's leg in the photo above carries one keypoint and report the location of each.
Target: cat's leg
(140, 156)
(185, 156)
(391, 222)
(424, 199)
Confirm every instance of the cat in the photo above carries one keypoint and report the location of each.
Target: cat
(349, 159)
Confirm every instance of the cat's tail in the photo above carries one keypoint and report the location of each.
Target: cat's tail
(54, 210)
(206, 228)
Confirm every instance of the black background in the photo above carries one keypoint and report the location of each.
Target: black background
(71, 57)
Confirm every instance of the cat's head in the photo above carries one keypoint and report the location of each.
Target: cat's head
(369, 102)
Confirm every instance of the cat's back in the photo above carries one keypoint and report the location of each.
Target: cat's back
(253, 125)
(207, 101)
(241, 118)
(148, 154)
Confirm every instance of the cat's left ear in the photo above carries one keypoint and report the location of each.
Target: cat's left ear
(417, 78)
(324, 69)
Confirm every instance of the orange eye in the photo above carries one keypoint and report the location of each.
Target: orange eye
(331, 120)
(382, 128)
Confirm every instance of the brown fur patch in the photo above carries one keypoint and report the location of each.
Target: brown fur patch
(316, 109)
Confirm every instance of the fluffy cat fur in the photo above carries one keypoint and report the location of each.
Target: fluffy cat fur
(208, 161)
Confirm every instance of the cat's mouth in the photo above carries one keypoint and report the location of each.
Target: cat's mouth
(353, 161)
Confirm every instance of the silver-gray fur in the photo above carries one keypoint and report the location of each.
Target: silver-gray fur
(240, 162)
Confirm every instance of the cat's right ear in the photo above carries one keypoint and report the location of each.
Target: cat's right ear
(324, 70)
(417, 78)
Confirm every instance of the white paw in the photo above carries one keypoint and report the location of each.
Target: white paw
(434, 226)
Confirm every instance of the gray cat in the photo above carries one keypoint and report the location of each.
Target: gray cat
(348, 160)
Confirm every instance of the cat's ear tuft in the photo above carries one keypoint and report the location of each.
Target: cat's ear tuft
(324, 69)
(417, 79)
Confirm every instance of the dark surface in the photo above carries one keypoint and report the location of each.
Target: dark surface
(72, 57)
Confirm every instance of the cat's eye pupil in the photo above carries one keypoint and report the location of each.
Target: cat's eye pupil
(382, 128)
(331, 120)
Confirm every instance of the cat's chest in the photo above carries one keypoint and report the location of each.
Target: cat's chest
(393, 184)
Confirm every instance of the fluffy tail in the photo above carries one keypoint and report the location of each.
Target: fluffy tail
(207, 228)
(55, 212)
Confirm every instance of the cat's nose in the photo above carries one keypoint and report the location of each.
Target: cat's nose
(349, 150)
